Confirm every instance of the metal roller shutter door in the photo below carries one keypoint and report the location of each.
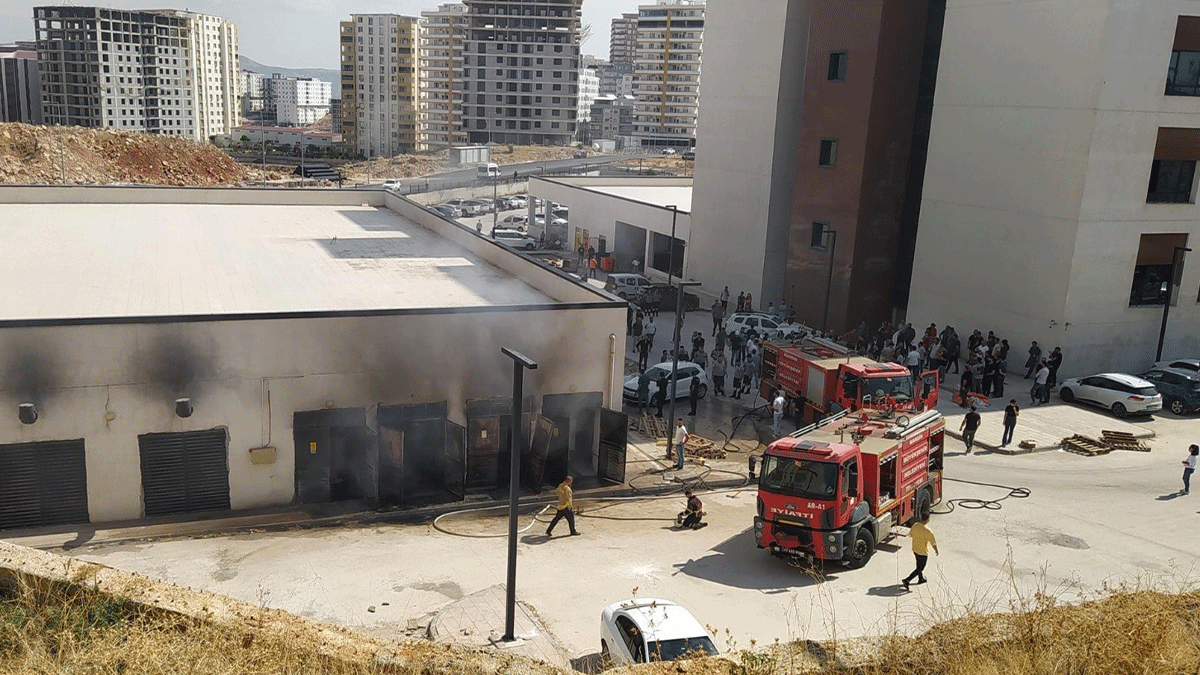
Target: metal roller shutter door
(43, 484)
(184, 472)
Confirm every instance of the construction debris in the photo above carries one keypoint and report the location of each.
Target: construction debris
(702, 447)
(1121, 440)
(1085, 445)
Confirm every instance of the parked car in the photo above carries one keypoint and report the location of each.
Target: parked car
(518, 202)
(1122, 394)
(664, 297)
(1183, 364)
(690, 154)
(764, 324)
(641, 630)
(683, 381)
(626, 286)
(560, 212)
(668, 151)
(391, 184)
(515, 221)
(1180, 388)
(580, 154)
(447, 210)
(467, 206)
(514, 239)
(483, 205)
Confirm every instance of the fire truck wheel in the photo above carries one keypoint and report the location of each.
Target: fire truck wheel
(860, 552)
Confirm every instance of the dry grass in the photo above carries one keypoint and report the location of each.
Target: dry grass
(60, 628)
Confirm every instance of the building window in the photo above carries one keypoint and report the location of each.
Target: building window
(828, 152)
(819, 238)
(837, 66)
(1171, 181)
(1183, 76)
(1152, 271)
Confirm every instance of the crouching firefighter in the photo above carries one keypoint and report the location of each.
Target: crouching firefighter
(692, 513)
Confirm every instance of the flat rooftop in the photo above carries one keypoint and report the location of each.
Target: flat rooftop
(654, 195)
(104, 261)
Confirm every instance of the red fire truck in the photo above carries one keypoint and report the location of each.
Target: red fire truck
(833, 490)
(828, 378)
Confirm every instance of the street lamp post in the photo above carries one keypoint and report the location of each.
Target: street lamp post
(671, 244)
(678, 452)
(1162, 331)
(515, 442)
(832, 233)
(495, 180)
(262, 131)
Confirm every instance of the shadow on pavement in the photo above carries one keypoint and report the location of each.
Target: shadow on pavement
(738, 563)
(893, 591)
(1169, 497)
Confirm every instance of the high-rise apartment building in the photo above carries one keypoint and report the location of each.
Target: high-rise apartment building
(808, 169)
(611, 118)
(380, 80)
(253, 90)
(1059, 199)
(161, 71)
(298, 101)
(522, 63)
(439, 123)
(666, 72)
(589, 89)
(20, 87)
(622, 41)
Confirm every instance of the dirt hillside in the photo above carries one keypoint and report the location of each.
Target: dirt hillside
(33, 154)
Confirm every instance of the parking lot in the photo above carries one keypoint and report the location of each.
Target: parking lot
(1088, 522)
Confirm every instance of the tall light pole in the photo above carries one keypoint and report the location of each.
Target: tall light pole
(671, 250)
(262, 131)
(62, 153)
(1162, 331)
(516, 440)
(495, 209)
(832, 234)
(678, 452)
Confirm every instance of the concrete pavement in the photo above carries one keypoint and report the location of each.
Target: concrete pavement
(477, 621)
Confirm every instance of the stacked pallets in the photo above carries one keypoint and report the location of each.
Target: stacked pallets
(1112, 440)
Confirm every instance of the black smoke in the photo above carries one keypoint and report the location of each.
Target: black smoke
(176, 366)
(29, 371)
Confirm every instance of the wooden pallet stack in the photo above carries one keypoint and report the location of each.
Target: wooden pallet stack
(1120, 440)
(1085, 445)
(650, 426)
(702, 447)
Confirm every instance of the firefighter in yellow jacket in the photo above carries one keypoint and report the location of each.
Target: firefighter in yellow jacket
(922, 539)
(566, 506)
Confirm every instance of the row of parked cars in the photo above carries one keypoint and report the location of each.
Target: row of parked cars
(1174, 385)
(458, 208)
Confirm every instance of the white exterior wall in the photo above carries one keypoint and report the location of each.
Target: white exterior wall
(254, 374)
(1044, 129)
(745, 169)
(589, 89)
(301, 102)
(215, 81)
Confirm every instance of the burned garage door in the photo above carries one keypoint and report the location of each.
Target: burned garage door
(573, 451)
(337, 457)
(43, 484)
(184, 472)
(422, 455)
(489, 433)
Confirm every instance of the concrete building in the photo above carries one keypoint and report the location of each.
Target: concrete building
(380, 80)
(628, 219)
(20, 86)
(809, 173)
(666, 72)
(522, 61)
(1056, 194)
(335, 115)
(611, 118)
(622, 40)
(286, 136)
(253, 93)
(300, 101)
(589, 89)
(439, 124)
(160, 71)
(228, 349)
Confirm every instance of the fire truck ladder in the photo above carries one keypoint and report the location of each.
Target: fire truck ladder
(816, 425)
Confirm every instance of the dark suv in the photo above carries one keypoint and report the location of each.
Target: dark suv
(1180, 388)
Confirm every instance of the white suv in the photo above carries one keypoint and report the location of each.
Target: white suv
(762, 323)
(514, 239)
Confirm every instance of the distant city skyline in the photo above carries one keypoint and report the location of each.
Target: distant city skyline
(300, 33)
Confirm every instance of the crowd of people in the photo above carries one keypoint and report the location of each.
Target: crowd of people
(982, 363)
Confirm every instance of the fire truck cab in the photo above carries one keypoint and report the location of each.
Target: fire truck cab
(835, 489)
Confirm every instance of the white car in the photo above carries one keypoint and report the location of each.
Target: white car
(391, 184)
(668, 151)
(641, 630)
(1122, 394)
(683, 381)
(467, 206)
(514, 239)
(515, 221)
(517, 202)
(764, 324)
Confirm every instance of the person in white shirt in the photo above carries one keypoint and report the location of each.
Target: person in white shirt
(1041, 393)
(681, 439)
(913, 361)
(1189, 466)
(777, 413)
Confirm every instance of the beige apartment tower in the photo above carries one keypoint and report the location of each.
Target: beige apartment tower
(439, 123)
(380, 82)
(666, 73)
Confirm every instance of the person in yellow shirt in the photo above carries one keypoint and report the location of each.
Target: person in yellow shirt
(922, 539)
(566, 506)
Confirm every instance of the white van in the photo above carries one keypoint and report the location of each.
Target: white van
(489, 170)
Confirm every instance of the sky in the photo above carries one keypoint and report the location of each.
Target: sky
(297, 33)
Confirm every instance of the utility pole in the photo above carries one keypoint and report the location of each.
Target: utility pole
(516, 441)
(262, 131)
(62, 155)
